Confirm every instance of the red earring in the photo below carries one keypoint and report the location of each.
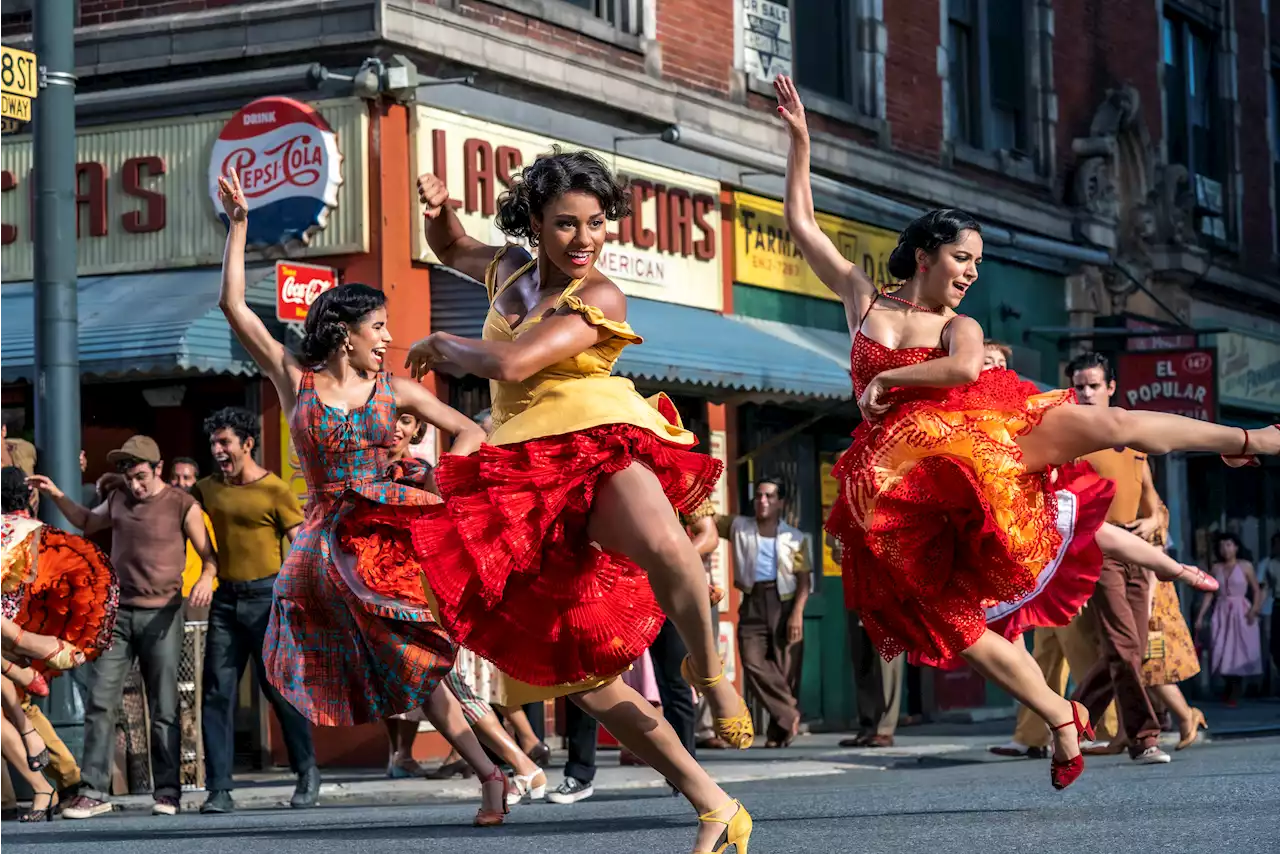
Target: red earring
(924, 269)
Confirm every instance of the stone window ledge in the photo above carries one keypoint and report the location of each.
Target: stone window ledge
(825, 106)
(569, 17)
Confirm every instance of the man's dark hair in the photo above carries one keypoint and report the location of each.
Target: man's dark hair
(184, 461)
(15, 495)
(1092, 359)
(123, 466)
(240, 421)
(777, 482)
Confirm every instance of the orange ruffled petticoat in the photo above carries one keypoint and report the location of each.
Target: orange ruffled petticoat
(73, 594)
(938, 518)
(507, 556)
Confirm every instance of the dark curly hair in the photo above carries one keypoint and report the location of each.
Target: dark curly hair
(15, 495)
(324, 330)
(551, 176)
(936, 228)
(1088, 360)
(242, 422)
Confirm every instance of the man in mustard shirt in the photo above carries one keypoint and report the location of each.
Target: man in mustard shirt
(252, 511)
(1123, 595)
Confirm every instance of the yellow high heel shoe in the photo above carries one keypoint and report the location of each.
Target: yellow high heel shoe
(737, 829)
(737, 730)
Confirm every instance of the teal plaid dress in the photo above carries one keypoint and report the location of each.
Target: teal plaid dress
(339, 652)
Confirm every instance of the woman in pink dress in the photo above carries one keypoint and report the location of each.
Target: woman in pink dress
(1235, 644)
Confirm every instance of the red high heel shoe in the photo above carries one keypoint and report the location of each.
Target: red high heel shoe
(1065, 772)
(493, 818)
(1244, 458)
(35, 686)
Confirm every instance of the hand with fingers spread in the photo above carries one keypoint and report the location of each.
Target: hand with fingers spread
(790, 108)
(433, 195)
(44, 484)
(423, 357)
(231, 194)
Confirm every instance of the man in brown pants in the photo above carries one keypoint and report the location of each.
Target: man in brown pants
(771, 566)
(1121, 599)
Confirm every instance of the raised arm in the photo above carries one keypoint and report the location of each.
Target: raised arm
(269, 354)
(566, 333)
(845, 278)
(88, 521)
(445, 234)
(962, 364)
(425, 406)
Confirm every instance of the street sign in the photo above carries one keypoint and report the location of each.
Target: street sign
(18, 83)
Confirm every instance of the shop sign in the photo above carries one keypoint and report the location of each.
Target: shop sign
(1180, 382)
(766, 39)
(668, 249)
(291, 464)
(718, 447)
(298, 286)
(1249, 371)
(830, 494)
(1163, 342)
(143, 195)
(765, 255)
(287, 158)
(18, 83)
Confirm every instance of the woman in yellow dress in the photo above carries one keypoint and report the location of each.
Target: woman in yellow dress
(556, 543)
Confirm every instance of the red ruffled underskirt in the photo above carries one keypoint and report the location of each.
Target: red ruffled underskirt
(74, 596)
(516, 577)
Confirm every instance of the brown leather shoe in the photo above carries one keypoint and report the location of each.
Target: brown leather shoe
(880, 741)
(859, 740)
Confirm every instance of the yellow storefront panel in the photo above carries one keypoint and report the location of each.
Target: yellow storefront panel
(766, 257)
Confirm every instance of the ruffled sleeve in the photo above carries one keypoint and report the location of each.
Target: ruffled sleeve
(596, 317)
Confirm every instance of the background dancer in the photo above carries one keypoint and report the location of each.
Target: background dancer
(543, 552)
(947, 449)
(338, 652)
(1235, 639)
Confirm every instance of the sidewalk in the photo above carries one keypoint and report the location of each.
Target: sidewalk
(810, 756)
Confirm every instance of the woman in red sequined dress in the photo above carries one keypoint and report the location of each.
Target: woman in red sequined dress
(946, 502)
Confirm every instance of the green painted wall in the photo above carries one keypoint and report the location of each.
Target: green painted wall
(1040, 300)
(796, 309)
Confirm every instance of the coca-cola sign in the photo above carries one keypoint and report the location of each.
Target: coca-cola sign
(298, 286)
(289, 165)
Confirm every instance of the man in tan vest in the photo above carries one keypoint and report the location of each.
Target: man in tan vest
(1122, 598)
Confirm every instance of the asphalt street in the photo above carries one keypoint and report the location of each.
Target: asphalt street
(1217, 798)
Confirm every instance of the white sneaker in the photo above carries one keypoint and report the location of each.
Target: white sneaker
(1152, 756)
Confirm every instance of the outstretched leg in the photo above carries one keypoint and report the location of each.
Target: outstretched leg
(1010, 666)
(1070, 431)
(632, 516)
(446, 715)
(641, 728)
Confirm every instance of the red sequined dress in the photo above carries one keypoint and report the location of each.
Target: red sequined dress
(939, 520)
(515, 575)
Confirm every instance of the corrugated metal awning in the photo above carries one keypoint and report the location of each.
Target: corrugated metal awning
(689, 346)
(146, 323)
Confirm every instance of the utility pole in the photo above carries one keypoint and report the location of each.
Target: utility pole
(57, 368)
(57, 373)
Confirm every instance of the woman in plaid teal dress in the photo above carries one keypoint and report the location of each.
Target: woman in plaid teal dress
(340, 653)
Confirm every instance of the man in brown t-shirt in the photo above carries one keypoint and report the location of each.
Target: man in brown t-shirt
(1123, 591)
(150, 525)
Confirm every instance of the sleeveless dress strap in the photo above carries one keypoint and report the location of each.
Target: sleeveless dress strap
(592, 314)
(491, 274)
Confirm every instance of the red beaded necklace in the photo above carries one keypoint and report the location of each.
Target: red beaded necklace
(910, 304)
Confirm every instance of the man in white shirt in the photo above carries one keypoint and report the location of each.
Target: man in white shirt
(771, 566)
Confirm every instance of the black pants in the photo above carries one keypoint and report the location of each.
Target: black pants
(582, 732)
(237, 626)
(667, 651)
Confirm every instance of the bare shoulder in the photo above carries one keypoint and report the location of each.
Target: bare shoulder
(606, 296)
(513, 258)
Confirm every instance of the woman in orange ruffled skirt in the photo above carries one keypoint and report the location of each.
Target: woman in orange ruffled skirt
(558, 549)
(946, 502)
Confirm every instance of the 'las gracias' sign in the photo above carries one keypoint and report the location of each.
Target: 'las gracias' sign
(289, 166)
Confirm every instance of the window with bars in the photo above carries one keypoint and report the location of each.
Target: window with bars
(626, 15)
(988, 72)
